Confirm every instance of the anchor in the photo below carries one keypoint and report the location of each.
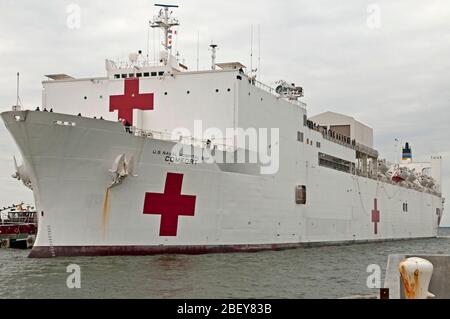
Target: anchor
(22, 174)
(123, 166)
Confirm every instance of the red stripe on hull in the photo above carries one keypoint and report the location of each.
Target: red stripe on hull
(17, 229)
(67, 251)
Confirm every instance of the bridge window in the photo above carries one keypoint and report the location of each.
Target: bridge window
(318, 144)
(161, 73)
(124, 76)
(300, 194)
(131, 75)
(146, 74)
(300, 136)
(117, 76)
(139, 75)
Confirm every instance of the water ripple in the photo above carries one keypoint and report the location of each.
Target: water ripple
(323, 272)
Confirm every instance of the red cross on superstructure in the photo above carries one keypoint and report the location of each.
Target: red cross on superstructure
(375, 216)
(131, 100)
(170, 204)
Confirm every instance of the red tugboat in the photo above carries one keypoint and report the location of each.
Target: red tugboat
(18, 226)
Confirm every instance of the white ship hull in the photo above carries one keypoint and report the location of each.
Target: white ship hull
(222, 210)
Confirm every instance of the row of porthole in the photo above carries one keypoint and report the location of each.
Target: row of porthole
(138, 75)
(100, 97)
(165, 93)
(189, 92)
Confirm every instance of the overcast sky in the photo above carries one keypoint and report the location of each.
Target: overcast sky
(385, 62)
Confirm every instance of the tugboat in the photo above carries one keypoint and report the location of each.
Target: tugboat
(18, 226)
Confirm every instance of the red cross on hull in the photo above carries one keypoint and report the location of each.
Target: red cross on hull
(375, 216)
(130, 101)
(170, 204)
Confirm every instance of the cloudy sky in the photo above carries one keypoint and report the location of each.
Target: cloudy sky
(385, 62)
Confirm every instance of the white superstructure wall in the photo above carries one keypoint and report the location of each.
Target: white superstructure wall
(358, 131)
(179, 100)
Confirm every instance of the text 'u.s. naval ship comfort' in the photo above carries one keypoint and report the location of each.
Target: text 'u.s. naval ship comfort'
(154, 158)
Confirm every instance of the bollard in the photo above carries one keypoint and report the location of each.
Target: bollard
(415, 274)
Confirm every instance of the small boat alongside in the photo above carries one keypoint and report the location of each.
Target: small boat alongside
(18, 226)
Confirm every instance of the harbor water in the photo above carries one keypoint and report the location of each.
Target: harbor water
(320, 272)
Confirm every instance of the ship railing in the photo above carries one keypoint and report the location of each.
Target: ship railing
(19, 218)
(129, 65)
(374, 175)
(7, 222)
(264, 87)
(366, 150)
(218, 144)
(335, 140)
(347, 143)
(272, 91)
(351, 144)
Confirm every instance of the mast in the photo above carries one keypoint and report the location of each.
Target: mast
(259, 52)
(18, 81)
(198, 49)
(251, 52)
(165, 21)
(17, 107)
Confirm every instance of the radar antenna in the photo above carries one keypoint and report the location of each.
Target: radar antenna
(289, 91)
(165, 21)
